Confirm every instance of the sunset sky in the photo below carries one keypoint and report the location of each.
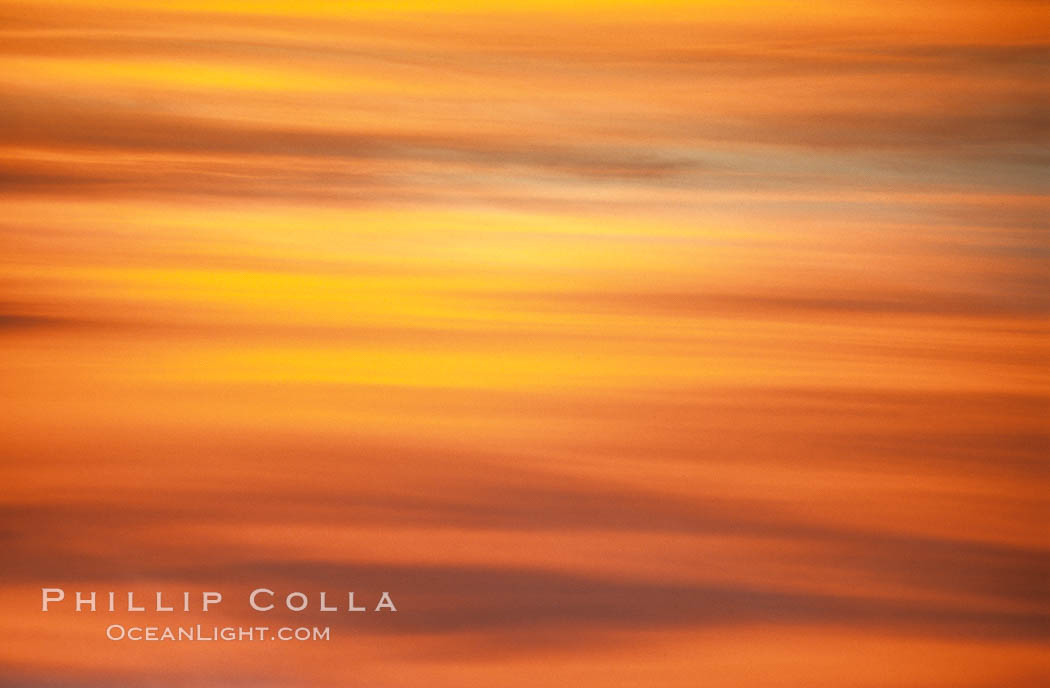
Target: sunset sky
(627, 344)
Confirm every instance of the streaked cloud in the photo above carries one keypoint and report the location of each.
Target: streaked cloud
(625, 343)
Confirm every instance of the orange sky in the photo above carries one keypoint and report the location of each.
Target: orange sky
(626, 344)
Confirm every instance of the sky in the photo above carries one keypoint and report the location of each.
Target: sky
(624, 344)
